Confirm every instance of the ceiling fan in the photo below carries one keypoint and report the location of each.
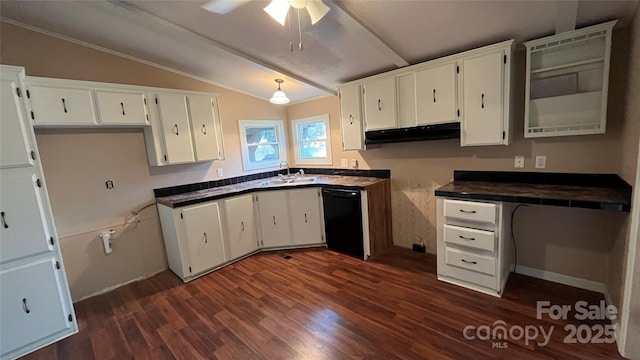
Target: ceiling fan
(277, 9)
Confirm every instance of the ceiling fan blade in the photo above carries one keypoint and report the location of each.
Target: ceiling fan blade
(223, 6)
(317, 9)
(278, 9)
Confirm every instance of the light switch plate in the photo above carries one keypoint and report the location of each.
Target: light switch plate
(344, 163)
(519, 162)
(541, 162)
(220, 172)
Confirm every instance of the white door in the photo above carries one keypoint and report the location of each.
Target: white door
(305, 216)
(274, 218)
(31, 306)
(436, 95)
(204, 237)
(174, 117)
(240, 226)
(203, 127)
(15, 148)
(351, 118)
(482, 119)
(380, 103)
(23, 227)
(54, 106)
(122, 108)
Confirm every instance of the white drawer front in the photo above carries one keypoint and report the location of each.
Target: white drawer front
(472, 277)
(465, 260)
(478, 239)
(470, 210)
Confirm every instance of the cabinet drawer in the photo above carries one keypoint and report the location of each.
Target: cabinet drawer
(62, 106)
(474, 238)
(465, 260)
(469, 210)
(469, 276)
(31, 305)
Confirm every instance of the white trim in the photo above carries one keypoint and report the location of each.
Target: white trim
(244, 147)
(295, 123)
(563, 279)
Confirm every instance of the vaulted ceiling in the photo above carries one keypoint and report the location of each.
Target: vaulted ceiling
(246, 50)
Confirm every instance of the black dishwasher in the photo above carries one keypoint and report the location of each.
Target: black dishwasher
(343, 221)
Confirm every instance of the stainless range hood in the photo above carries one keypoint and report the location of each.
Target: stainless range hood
(418, 133)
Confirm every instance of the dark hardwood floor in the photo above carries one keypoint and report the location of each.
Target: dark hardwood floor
(318, 305)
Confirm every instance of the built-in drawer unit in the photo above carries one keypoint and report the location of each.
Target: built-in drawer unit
(472, 247)
(469, 210)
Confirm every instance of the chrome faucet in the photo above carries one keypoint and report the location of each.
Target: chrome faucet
(287, 165)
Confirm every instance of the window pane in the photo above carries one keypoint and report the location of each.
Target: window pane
(313, 131)
(313, 150)
(260, 135)
(267, 152)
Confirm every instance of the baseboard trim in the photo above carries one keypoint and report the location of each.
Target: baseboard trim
(564, 279)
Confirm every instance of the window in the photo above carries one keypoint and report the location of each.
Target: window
(263, 143)
(312, 140)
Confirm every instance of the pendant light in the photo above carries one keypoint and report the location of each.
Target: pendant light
(279, 97)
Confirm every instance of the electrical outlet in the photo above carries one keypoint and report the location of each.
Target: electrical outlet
(354, 163)
(519, 162)
(220, 172)
(541, 162)
(344, 163)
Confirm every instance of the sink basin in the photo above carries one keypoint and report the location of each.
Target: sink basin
(289, 181)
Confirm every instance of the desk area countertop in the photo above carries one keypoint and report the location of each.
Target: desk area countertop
(591, 191)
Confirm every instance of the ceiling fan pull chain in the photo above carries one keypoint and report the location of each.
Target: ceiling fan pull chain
(299, 32)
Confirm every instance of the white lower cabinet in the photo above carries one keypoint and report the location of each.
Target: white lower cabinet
(241, 229)
(474, 250)
(306, 219)
(274, 219)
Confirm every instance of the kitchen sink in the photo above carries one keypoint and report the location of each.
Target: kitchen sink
(289, 181)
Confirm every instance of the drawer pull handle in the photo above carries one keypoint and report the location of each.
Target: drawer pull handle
(177, 130)
(468, 262)
(468, 211)
(434, 95)
(465, 238)
(206, 241)
(4, 221)
(242, 225)
(123, 113)
(203, 130)
(379, 105)
(274, 220)
(351, 119)
(24, 306)
(64, 105)
(305, 217)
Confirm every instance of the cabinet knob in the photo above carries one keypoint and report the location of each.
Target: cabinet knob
(4, 222)
(204, 129)
(350, 119)
(175, 126)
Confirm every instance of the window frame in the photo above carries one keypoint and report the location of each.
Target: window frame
(297, 150)
(278, 126)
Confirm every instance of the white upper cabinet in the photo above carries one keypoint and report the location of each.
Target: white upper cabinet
(241, 227)
(274, 218)
(203, 126)
(15, 144)
(436, 90)
(173, 115)
(122, 108)
(486, 80)
(203, 232)
(306, 221)
(567, 82)
(380, 103)
(61, 103)
(351, 118)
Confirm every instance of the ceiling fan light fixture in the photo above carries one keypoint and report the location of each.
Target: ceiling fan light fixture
(279, 97)
(317, 10)
(278, 9)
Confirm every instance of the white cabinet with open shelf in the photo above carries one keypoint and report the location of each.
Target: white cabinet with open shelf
(567, 82)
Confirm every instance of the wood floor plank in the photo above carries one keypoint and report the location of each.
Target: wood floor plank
(319, 305)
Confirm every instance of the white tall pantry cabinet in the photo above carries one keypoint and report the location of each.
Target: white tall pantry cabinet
(35, 303)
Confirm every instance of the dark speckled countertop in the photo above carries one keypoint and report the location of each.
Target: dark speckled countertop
(591, 191)
(325, 181)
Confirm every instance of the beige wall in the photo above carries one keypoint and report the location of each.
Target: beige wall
(573, 242)
(76, 163)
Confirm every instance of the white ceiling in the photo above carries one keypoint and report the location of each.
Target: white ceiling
(246, 50)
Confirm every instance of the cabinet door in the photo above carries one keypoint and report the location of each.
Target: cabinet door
(122, 108)
(380, 103)
(203, 127)
(436, 95)
(406, 86)
(23, 229)
(31, 306)
(351, 118)
(305, 216)
(174, 117)
(62, 106)
(482, 120)
(218, 125)
(203, 237)
(15, 148)
(240, 226)
(274, 218)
